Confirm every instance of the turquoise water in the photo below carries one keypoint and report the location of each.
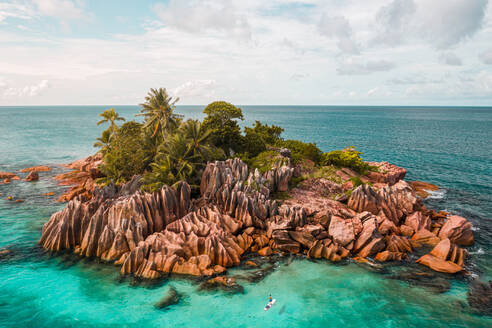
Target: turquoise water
(447, 146)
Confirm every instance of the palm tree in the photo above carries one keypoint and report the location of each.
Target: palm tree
(103, 141)
(198, 138)
(158, 111)
(111, 116)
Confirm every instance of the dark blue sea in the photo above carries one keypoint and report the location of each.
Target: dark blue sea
(447, 146)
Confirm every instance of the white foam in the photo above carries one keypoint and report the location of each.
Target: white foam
(436, 194)
(479, 251)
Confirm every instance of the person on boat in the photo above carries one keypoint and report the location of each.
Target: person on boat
(270, 298)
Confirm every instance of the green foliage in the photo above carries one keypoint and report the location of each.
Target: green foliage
(111, 116)
(325, 172)
(259, 136)
(269, 134)
(158, 112)
(348, 157)
(223, 111)
(253, 143)
(165, 150)
(266, 160)
(221, 121)
(294, 181)
(281, 195)
(182, 157)
(103, 141)
(125, 156)
(301, 150)
(356, 181)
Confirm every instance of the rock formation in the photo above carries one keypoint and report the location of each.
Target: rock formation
(458, 230)
(391, 202)
(39, 168)
(166, 232)
(8, 176)
(81, 178)
(445, 257)
(387, 173)
(32, 176)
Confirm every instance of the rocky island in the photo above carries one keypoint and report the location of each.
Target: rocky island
(209, 195)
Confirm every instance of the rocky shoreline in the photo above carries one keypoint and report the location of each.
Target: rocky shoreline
(168, 232)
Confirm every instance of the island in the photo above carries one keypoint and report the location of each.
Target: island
(174, 196)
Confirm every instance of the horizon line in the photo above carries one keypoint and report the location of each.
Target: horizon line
(256, 105)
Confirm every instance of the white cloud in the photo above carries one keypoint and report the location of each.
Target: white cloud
(392, 20)
(353, 67)
(61, 9)
(484, 79)
(450, 58)
(14, 10)
(338, 27)
(372, 91)
(299, 76)
(195, 88)
(440, 23)
(26, 91)
(486, 57)
(204, 16)
(354, 47)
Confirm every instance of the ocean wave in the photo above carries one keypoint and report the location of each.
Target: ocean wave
(479, 251)
(436, 194)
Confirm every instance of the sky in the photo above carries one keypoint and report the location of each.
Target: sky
(254, 52)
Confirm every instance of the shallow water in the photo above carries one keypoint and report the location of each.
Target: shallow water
(447, 146)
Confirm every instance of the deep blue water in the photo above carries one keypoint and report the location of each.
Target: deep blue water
(451, 147)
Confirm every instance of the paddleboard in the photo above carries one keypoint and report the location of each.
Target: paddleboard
(270, 304)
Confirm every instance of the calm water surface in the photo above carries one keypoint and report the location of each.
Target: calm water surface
(451, 147)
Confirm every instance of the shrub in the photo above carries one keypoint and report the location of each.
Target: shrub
(301, 150)
(348, 157)
(225, 132)
(253, 143)
(266, 160)
(126, 155)
(269, 134)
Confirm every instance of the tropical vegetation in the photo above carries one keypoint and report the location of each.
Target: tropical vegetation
(164, 148)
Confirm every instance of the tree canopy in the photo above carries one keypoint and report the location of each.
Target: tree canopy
(165, 149)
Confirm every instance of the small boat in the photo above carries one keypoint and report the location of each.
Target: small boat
(270, 304)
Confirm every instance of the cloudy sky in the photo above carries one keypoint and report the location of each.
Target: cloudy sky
(375, 52)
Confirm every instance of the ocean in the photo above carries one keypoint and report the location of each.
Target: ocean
(447, 146)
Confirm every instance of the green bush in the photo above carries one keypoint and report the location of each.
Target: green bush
(301, 150)
(225, 131)
(349, 157)
(126, 155)
(253, 143)
(266, 160)
(269, 134)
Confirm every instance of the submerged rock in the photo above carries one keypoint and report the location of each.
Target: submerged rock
(257, 275)
(224, 283)
(422, 188)
(172, 298)
(480, 297)
(424, 279)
